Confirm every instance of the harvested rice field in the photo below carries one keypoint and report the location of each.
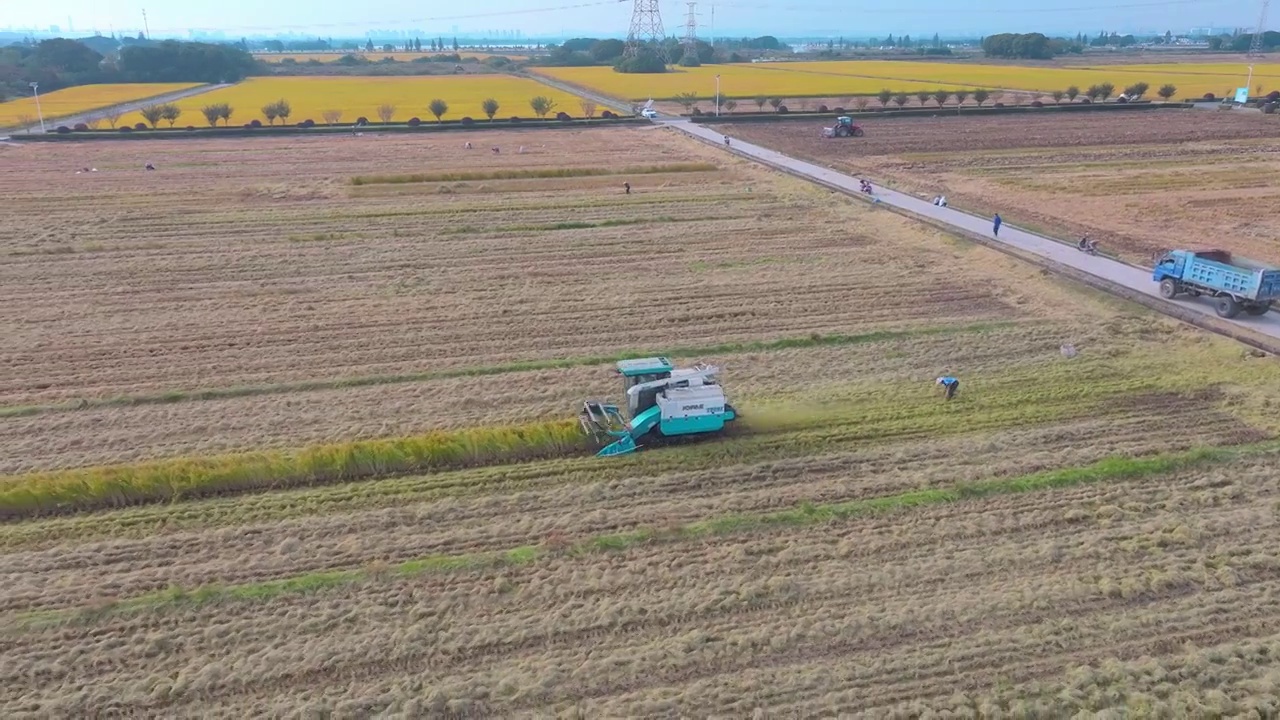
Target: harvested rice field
(256, 459)
(1134, 181)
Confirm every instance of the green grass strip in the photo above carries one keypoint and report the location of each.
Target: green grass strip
(95, 488)
(808, 341)
(534, 173)
(1116, 468)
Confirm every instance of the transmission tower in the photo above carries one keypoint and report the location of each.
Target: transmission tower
(646, 27)
(691, 26)
(1255, 43)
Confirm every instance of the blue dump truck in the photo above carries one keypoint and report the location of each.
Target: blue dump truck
(1235, 285)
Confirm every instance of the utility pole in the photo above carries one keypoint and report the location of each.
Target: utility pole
(35, 88)
(145, 25)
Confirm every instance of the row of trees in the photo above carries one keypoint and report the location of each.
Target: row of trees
(1099, 92)
(281, 109)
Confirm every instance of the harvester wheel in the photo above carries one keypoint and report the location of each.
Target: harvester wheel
(857, 132)
(1259, 309)
(1168, 289)
(842, 131)
(1226, 306)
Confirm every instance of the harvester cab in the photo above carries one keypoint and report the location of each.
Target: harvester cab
(663, 402)
(844, 127)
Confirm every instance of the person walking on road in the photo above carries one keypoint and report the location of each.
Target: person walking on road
(949, 384)
(995, 225)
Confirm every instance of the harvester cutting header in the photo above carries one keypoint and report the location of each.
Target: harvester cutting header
(665, 403)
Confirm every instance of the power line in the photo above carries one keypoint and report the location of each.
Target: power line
(968, 11)
(786, 6)
(396, 21)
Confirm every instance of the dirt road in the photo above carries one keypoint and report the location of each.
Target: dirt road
(1120, 273)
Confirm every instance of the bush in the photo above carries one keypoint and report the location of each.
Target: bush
(783, 109)
(1037, 103)
(695, 111)
(823, 108)
(415, 122)
(999, 105)
(80, 127)
(467, 121)
(191, 127)
(1209, 96)
(307, 123)
(563, 116)
(1085, 101)
(608, 115)
(1122, 100)
(255, 123)
(515, 119)
(62, 130)
(247, 126)
(126, 129)
(838, 111)
(1274, 95)
(140, 126)
(362, 120)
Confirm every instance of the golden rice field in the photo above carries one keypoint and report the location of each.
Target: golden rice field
(313, 509)
(375, 56)
(736, 81)
(76, 100)
(835, 79)
(362, 96)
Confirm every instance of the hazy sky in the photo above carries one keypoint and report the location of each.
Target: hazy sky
(859, 18)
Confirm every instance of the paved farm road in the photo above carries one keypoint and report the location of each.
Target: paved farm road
(127, 107)
(1118, 272)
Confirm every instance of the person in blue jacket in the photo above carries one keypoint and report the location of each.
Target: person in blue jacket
(950, 384)
(995, 225)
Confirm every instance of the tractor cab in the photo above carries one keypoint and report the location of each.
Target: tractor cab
(844, 127)
(637, 372)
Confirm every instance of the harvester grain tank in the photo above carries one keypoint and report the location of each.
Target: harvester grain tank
(844, 127)
(1235, 284)
(664, 403)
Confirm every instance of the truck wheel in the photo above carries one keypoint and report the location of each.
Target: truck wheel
(1168, 289)
(1259, 309)
(1226, 306)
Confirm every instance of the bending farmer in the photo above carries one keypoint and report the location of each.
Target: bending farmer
(950, 384)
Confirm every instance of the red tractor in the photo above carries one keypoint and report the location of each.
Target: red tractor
(844, 127)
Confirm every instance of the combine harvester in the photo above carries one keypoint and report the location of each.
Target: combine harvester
(666, 405)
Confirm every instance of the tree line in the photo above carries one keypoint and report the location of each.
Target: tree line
(1100, 92)
(282, 110)
(60, 63)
